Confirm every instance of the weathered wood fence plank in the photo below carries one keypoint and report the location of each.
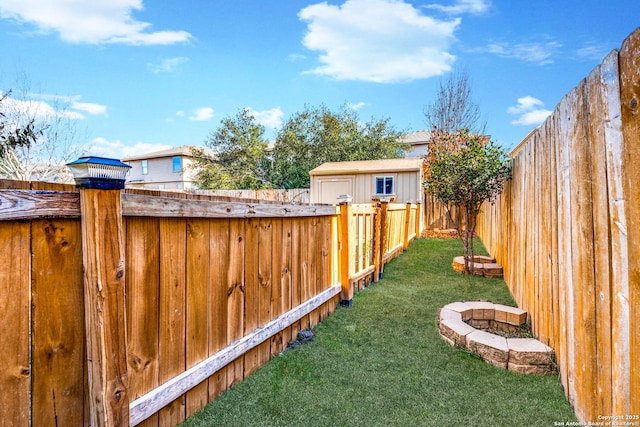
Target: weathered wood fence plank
(15, 304)
(630, 109)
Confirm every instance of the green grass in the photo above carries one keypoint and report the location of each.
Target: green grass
(382, 363)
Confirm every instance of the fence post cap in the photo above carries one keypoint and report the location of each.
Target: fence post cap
(99, 172)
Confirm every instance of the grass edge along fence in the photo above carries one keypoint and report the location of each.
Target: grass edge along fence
(212, 289)
(566, 230)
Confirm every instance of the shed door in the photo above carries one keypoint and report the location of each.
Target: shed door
(329, 189)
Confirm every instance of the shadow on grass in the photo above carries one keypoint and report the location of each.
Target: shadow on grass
(382, 363)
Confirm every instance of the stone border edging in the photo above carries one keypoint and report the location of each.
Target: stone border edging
(525, 355)
(483, 266)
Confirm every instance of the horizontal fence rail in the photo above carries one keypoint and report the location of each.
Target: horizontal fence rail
(212, 290)
(566, 230)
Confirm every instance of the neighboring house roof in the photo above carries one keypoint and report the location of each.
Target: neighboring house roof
(416, 138)
(185, 150)
(368, 166)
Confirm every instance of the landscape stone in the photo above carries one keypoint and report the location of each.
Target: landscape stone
(524, 355)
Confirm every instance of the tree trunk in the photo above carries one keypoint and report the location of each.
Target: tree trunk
(468, 245)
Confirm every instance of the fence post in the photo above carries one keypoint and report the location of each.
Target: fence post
(346, 211)
(418, 220)
(377, 243)
(407, 223)
(384, 232)
(103, 261)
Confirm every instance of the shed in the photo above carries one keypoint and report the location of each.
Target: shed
(366, 180)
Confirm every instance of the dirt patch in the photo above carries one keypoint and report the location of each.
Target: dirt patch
(440, 234)
(516, 332)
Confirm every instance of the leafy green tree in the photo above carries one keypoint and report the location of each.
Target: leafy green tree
(464, 170)
(317, 135)
(236, 158)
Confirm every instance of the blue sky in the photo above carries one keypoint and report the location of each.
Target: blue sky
(139, 76)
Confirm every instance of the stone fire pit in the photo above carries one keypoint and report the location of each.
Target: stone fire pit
(467, 324)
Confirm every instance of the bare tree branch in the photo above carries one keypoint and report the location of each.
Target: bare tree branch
(453, 109)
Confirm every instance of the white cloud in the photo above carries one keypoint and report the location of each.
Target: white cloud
(202, 114)
(180, 113)
(593, 51)
(268, 118)
(89, 107)
(540, 53)
(91, 22)
(117, 150)
(36, 109)
(167, 65)
(295, 57)
(356, 106)
(475, 7)
(530, 110)
(378, 41)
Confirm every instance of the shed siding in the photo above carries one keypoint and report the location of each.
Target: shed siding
(407, 187)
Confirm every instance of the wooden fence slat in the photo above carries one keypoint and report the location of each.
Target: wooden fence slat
(143, 294)
(265, 283)
(197, 306)
(567, 361)
(296, 271)
(598, 117)
(15, 304)
(285, 277)
(315, 258)
(58, 330)
(277, 270)
(238, 241)
(219, 256)
(582, 288)
(252, 291)
(306, 245)
(172, 312)
(630, 109)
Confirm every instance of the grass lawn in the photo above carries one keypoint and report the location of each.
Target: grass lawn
(382, 363)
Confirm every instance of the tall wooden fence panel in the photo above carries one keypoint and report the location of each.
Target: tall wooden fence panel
(436, 215)
(566, 230)
(213, 290)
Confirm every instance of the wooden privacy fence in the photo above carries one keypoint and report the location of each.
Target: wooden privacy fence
(374, 234)
(436, 215)
(567, 232)
(181, 296)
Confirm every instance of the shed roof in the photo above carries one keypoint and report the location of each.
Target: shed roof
(368, 166)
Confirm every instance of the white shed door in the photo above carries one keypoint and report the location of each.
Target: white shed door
(329, 189)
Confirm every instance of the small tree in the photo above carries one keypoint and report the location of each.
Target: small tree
(464, 170)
